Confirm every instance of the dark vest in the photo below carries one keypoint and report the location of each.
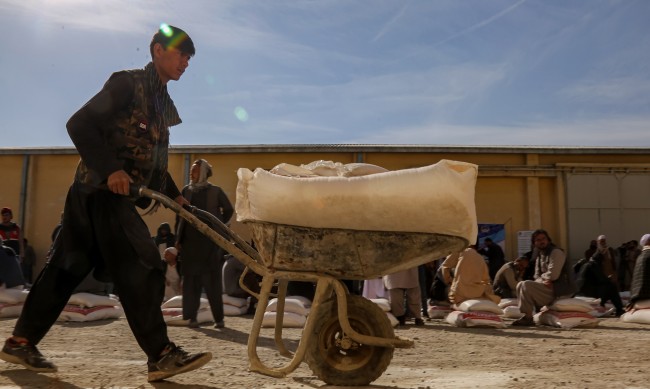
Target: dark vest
(139, 135)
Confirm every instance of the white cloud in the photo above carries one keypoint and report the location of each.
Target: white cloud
(615, 90)
(614, 132)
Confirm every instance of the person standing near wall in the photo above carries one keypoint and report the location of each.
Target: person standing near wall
(202, 259)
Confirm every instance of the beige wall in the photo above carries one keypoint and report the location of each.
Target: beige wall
(519, 187)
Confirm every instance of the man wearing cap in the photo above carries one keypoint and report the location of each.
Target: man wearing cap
(202, 259)
(122, 136)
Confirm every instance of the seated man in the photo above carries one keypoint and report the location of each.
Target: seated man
(553, 278)
(593, 282)
(439, 290)
(507, 278)
(640, 287)
(471, 279)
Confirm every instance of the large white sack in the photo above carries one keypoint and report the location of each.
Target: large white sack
(641, 316)
(99, 312)
(432, 199)
(479, 305)
(289, 320)
(13, 296)
(290, 305)
(475, 319)
(566, 320)
(571, 305)
(90, 300)
(10, 310)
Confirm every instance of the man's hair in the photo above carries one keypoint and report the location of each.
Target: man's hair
(170, 36)
(539, 232)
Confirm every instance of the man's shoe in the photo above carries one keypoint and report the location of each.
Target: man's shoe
(524, 322)
(219, 324)
(401, 320)
(193, 324)
(175, 360)
(419, 322)
(27, 355)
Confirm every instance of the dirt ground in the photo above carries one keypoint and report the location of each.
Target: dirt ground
(104, 354)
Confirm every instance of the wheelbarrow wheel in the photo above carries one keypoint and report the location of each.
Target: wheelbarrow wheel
(338, 360)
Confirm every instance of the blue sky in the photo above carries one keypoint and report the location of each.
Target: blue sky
(431, 72)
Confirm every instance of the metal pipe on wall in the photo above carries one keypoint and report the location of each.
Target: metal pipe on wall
(22, 205)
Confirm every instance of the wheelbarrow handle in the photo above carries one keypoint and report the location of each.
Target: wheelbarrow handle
(215, 229)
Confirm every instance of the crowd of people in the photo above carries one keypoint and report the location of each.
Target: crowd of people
(535, 279)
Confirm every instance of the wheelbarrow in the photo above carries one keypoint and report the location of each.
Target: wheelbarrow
(347, 339)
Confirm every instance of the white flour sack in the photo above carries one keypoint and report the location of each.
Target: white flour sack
(641, 316)
(432, 199)
(475, 319)
(566, 320)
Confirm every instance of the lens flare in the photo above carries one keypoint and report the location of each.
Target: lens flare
(241, 114)
(166, 30)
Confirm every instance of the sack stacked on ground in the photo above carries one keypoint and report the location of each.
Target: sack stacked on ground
(598, 310)
(640, 313)
(296, 309)
(83, 307)
(384, 304)
(172, 311)
(11, 301)
(476, 313)
(510, 308)
(438, 311)
(568, 313)
(234, 306)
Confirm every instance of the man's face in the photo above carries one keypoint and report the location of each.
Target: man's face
(170, 63)
(6, 217)
(170, 258)
(602, 242)
(195, 170)
(541, 241)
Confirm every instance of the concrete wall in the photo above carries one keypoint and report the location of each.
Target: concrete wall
(522, 188)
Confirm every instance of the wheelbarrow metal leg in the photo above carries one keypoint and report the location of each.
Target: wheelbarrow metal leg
(341, 295)
(323, 290)
(279, 319)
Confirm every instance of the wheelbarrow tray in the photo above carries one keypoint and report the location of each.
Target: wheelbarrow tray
(346, 253)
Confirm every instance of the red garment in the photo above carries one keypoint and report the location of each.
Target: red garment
(10, 231)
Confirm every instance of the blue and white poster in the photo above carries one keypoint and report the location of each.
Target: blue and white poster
(496, 232)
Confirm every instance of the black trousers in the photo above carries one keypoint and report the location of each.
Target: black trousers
(101, 231)
(193, 285)
(609, 291)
